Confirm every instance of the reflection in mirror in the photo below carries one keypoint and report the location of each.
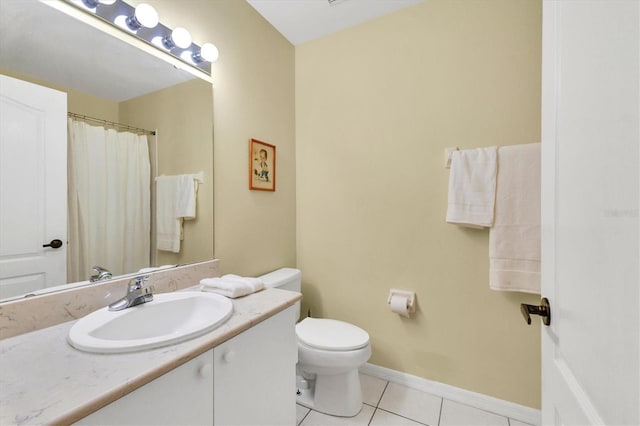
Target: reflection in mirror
(106, 78)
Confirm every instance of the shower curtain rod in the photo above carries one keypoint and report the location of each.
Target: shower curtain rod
(111, 123)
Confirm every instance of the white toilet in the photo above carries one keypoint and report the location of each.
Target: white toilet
(329, 355)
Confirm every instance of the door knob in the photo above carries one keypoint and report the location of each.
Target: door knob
(229, 356)
(206, 371)
(54, 244)
(544, 310)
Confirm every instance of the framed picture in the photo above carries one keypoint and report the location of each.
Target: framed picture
(262, 165)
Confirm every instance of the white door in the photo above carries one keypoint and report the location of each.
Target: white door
(33, 187)
(590, 231)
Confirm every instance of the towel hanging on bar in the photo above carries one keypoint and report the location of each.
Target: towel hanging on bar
(472, 186)
(175, 202)
(514, 238)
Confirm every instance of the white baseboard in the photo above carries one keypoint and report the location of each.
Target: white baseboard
(488, 403)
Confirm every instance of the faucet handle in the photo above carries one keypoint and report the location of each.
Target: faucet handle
(138, 282)
(100, 274)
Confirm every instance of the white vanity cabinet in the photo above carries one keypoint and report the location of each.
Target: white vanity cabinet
(247, 380)
(255, 374)
(183, 396)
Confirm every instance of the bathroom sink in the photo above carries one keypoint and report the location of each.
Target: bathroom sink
(170, 318)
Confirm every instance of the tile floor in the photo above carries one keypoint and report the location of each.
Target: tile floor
(390, 404)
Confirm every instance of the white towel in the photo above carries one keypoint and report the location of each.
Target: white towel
(472, 186)
(514, 239)
(232, 285)
(187, 189)
(168, 226)
(175, 202)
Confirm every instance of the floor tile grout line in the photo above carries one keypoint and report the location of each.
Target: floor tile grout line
(382, 394)
(478, 408)
(400, 415)
(372, 414)
(305, 416)
(375, 409)
(440, 412)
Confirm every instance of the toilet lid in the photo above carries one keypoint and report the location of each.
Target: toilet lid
(331, 334)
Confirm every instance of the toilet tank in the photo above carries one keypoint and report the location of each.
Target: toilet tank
(284, 279)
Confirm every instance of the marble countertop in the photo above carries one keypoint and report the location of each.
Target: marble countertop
(43, 380)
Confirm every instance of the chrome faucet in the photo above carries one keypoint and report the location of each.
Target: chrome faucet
(136, 294)
(100, 274)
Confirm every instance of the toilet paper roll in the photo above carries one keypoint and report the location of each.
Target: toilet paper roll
(399, 305)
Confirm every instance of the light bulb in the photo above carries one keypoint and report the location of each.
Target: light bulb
(145, 16)
(208, 52)
(179, 37)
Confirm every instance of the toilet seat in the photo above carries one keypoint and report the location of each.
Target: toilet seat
(332, 335)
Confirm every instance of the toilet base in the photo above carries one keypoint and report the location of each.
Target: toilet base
(336, 395)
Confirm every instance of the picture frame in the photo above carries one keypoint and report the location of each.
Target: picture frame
(262, 165)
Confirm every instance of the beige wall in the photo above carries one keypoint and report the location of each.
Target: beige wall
(376, 106)
(183, 118)
(253, 98)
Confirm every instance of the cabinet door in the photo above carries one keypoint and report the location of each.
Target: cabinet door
(255, 374)
(183, 396)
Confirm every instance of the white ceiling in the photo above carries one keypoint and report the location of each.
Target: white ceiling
(300, 21)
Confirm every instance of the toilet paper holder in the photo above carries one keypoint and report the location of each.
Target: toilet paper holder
(409, 295)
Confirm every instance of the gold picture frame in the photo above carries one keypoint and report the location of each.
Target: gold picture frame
(262, 166)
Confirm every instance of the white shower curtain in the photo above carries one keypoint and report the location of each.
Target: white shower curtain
(109, 201)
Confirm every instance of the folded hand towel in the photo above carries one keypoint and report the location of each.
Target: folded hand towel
(514, 239)
(472, 185)
(232, 285)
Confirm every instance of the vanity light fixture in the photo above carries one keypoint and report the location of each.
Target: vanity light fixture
(143, 23)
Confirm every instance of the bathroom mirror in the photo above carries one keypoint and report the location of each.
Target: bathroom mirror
(42, 45)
